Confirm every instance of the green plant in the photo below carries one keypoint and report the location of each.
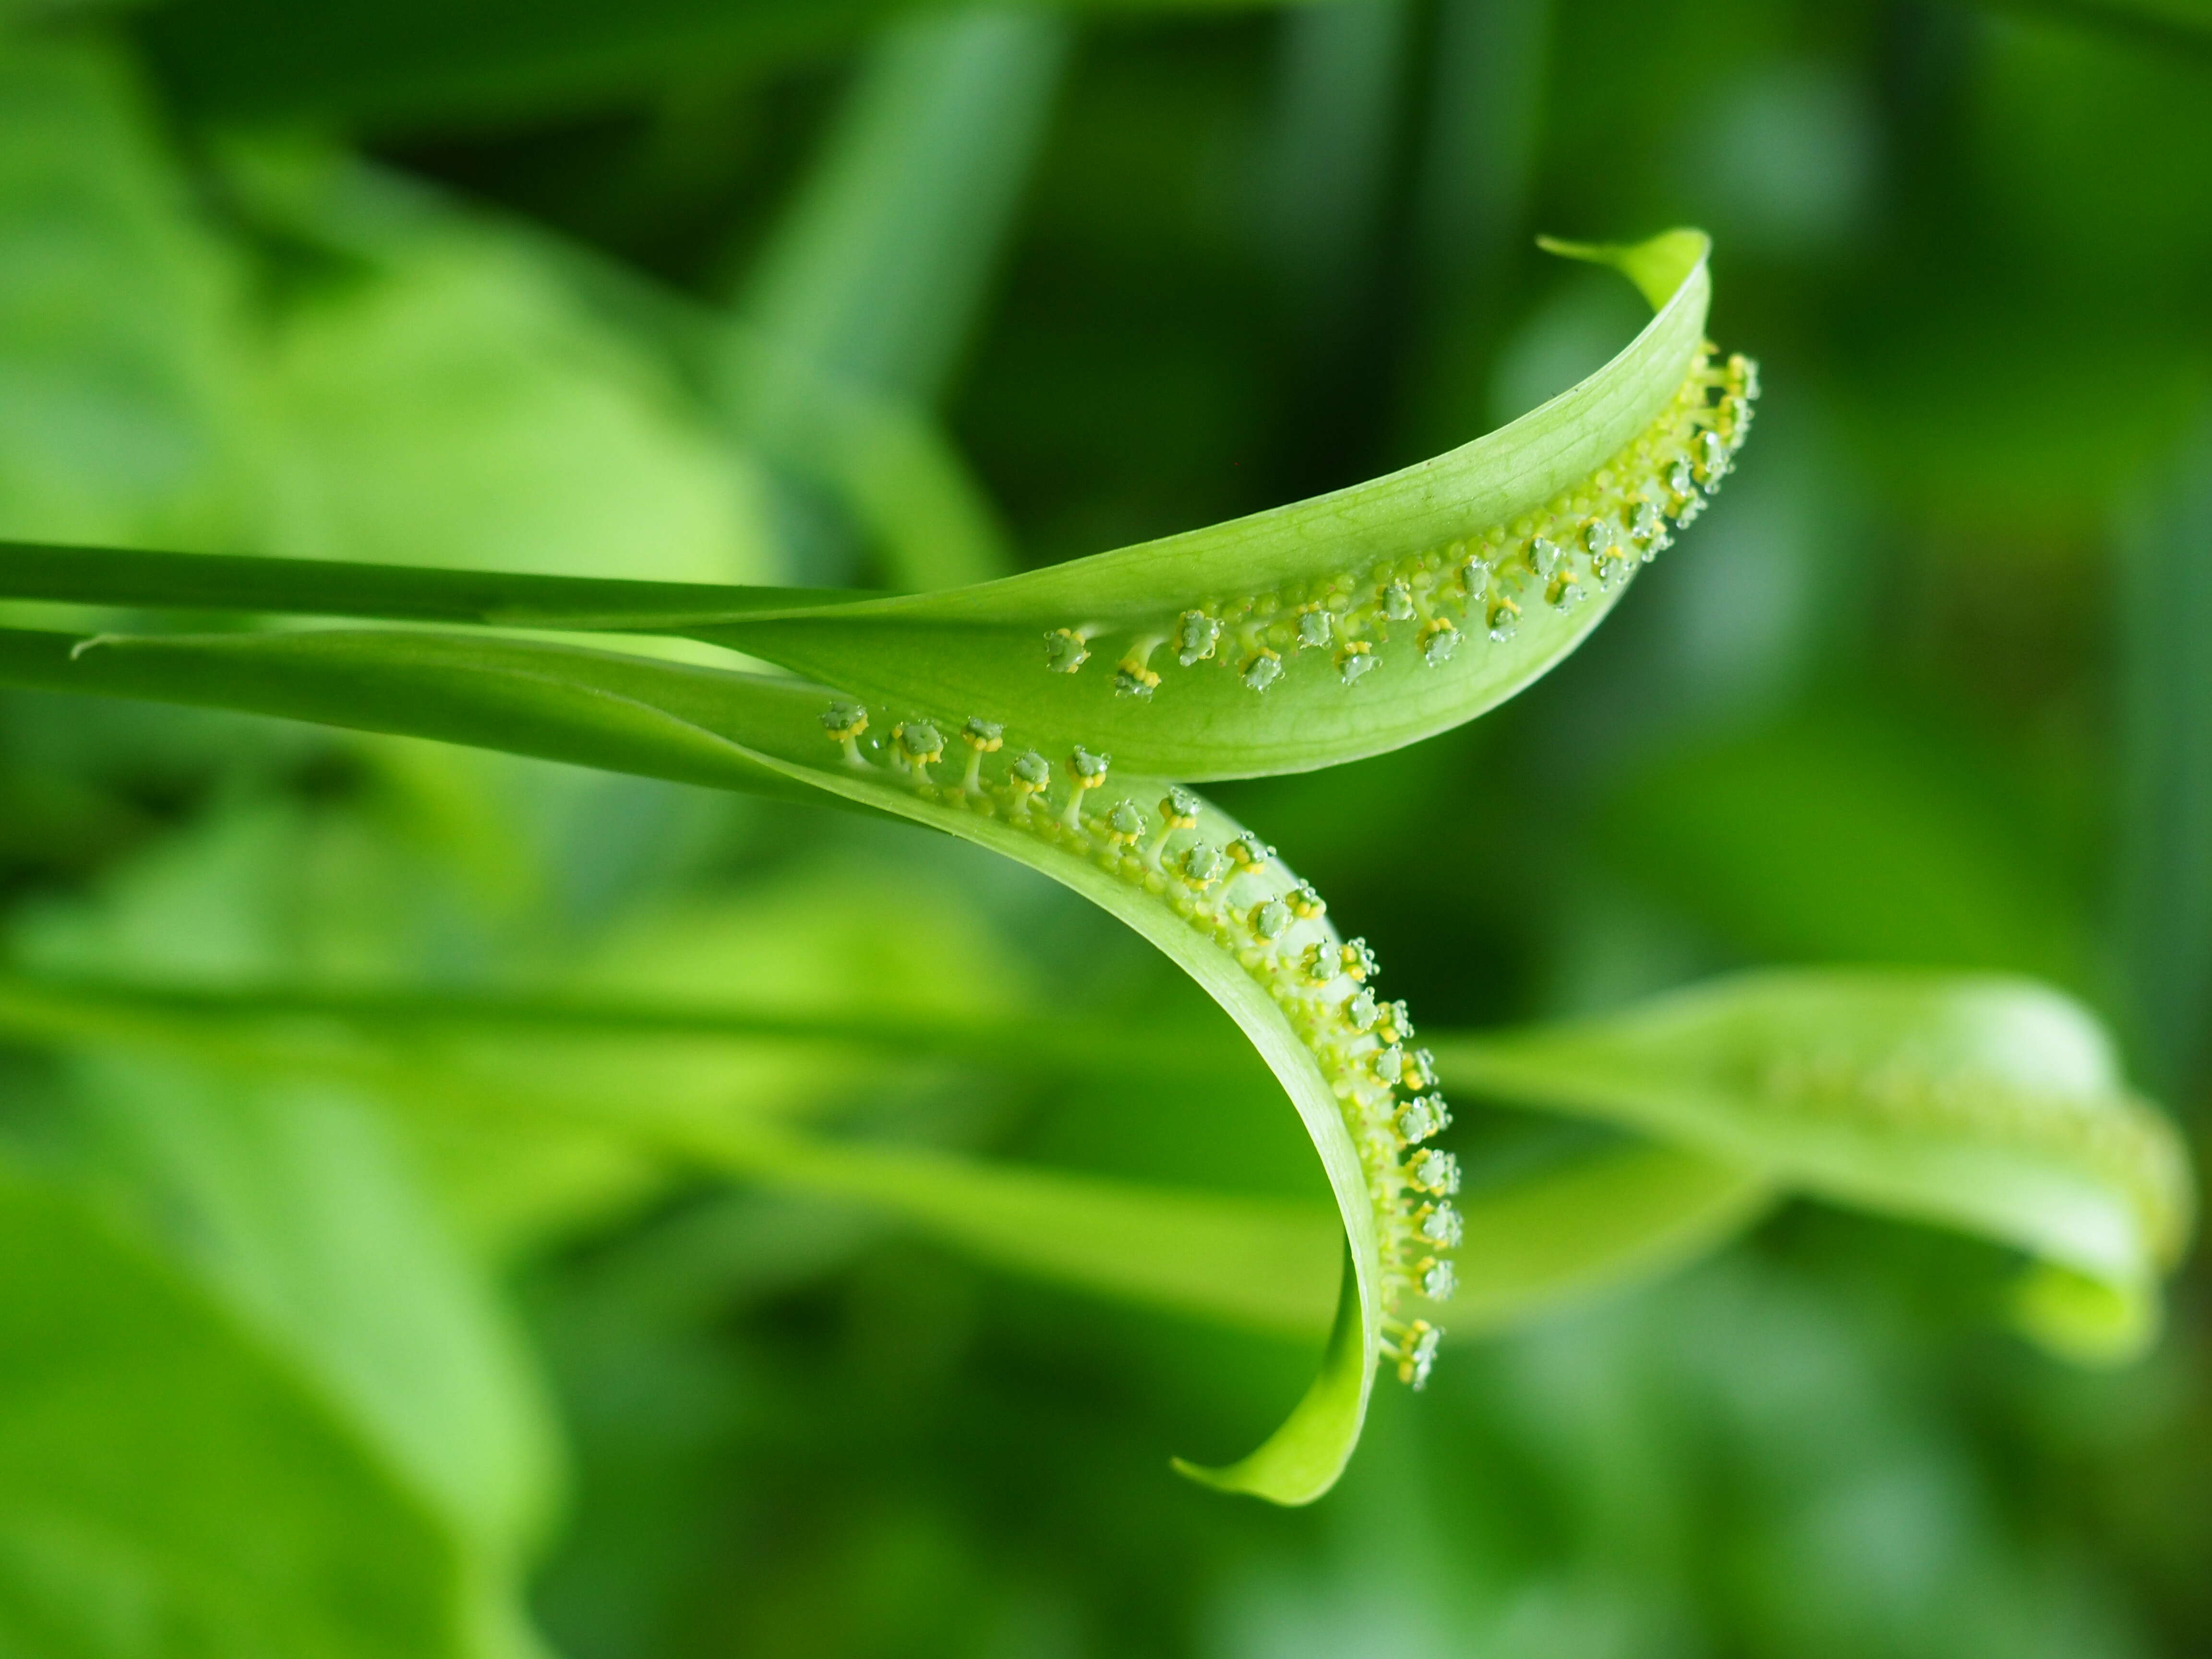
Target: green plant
(1041, 717)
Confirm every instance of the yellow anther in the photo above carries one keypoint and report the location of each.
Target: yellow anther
(918, 744)
(1029, 775)
(1251, 853)
(1066, 651)
(844, 722)
(982, 738)
(1125, 822)
(1132, 680)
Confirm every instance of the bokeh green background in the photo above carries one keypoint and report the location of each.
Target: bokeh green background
(826, 292)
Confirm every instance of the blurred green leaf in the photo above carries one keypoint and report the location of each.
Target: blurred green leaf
(169, 1484)
(411, 63)
(1994, 1106)
(2178, 27)
(880, 265)
(446, 399)
(1265, 1264)
(643, 1014)
(874, 277)
(1990, 1105)
(426, 386)
(122, 406)
(668, 380)
(295, 1205)
(1613, 1217)
(889, 466)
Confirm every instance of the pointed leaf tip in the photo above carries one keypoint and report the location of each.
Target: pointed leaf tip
(2090, 1320)
(1301, 1460)
(1658, 265)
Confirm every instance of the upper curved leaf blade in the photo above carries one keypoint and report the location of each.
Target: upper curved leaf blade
(1331, 629)
(1296, 638)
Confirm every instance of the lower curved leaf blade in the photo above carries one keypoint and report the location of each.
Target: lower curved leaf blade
(1301, 1460)
(746, 733)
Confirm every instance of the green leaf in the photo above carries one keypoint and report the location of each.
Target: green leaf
(2171, 28)
(1378, 575)
(168, 1485)
(1990, 1105)
(120, 394)
(1260, 1264)
(571, 334)
(1273, 610)
(880, 265)
(888, 463)
(1610, 1218)
(1257, 1264)
(2166, 767)
(294, 1204)
(592, 708)
(297, 1206)
(875, 273)
(453, 401)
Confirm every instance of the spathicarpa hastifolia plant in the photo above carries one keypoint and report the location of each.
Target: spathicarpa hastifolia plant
(1057, 718)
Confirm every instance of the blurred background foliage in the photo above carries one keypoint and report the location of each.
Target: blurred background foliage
(834, 291)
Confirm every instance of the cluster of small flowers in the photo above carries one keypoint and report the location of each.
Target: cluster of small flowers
(1589, 540)
(1239, 895)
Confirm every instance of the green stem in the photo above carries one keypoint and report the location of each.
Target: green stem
(226, 583)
